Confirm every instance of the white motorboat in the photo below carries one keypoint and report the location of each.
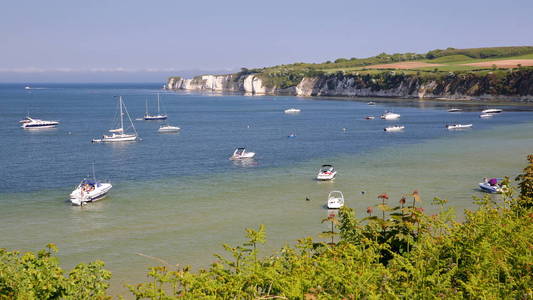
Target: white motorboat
(30, 123)
(394, 128)
(292, 111)
(492, 111)
(455, 110)
(157, 116)
(27, 87)
(486, 116)
(326, 172)
(370, 118)
(119, 132)
(371, 103)
(89, 190)
(458, 126)
(240, 153)
(335, 200)
(390, 116)
(168, 128)
(493, 186)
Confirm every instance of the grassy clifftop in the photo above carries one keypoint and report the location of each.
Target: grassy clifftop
(474, 60)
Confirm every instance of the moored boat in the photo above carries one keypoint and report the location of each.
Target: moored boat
(30, 123)
(292, 111)
(89, 190)
(454, 110)
(394, 128)
(492, 186)
(335, 200)
(241, 153)
(458, 126)
(492, 111)
(486, 116)
(158, 116)
(390, 116)
(326, 172)
(168, 128)
(370, 118)
(119, 132)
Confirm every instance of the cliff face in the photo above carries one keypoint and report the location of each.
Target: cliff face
(515, 86)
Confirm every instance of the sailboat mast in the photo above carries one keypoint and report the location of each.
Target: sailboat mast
(158, 104)
(121, 114)
(146, 107)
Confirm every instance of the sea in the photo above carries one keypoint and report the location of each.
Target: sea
(177, 197)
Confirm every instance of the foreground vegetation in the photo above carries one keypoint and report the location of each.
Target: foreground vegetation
(397, 251)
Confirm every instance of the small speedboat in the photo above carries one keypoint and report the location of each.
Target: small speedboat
(486, 116)
(168, 128)
(394, 128)
(292, 111)
(390, 116)
(335, 200)
(89, 190)
(370, 118)
(27, 87)
(493, 186)
(458, 126)
(30, 123)
(326, 172)
(371, 103)
(240, 153)
(454, 110)
(292, 135)
(492, 111)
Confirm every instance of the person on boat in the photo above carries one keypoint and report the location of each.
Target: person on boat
(493, 181)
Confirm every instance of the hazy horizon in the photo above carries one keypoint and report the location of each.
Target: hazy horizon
(137, 41)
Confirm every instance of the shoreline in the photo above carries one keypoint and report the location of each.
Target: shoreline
(377, 99)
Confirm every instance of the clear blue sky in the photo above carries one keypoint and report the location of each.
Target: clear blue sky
(140, 40)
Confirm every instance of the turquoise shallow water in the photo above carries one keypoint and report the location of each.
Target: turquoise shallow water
(178, 197)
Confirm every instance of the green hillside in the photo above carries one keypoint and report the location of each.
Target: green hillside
(450, 59)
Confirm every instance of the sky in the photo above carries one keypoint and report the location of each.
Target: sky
(147, 41)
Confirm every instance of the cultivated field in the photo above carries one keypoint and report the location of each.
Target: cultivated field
(404, 65)
(507, 63)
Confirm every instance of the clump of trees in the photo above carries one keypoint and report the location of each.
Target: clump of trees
(396, 251)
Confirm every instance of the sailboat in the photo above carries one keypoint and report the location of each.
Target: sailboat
(159, 116)
(119, 134)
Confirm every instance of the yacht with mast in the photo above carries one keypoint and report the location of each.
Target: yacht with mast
(158, 116)
(120, 134)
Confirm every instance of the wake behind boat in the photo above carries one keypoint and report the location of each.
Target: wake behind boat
(119, 132)
(30, 123)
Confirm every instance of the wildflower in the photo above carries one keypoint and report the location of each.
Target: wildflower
(369, 210)
(383, 196)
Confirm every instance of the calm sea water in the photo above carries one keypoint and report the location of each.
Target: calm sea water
(178, 197)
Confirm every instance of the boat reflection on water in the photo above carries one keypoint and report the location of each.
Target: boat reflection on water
(246, 163)
(332, 213)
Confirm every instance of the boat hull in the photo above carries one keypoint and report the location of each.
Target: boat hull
(115, 139)
(78, 198)
(154, 118)
(325, 177)
(491, 189)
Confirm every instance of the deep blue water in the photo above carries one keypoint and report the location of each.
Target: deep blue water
(212, 126)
